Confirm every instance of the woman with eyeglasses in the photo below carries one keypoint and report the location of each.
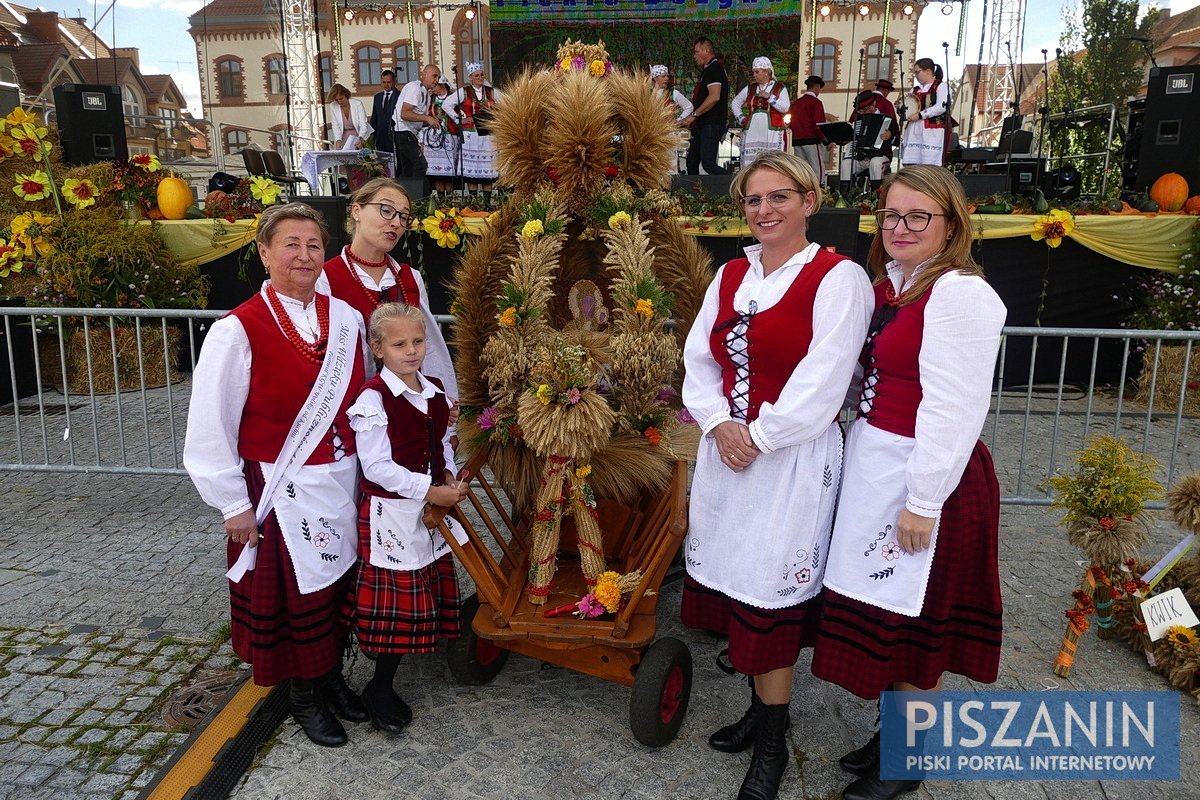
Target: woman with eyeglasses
(912, 589)
(366, 276)
(767, 365)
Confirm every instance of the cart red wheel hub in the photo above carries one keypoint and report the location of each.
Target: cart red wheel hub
(486, 652)
(668, 705)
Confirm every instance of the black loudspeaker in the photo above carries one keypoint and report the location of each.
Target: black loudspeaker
(417, 188)
(978, 185)
(1171, 126)
(710, 184)
(335, 209)
(836, 228)
(91, 123)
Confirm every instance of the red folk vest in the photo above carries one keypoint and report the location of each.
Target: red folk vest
(755, 104)
(473, 105)
(416, 438)
(891, 365)
(345, 286)
(927, 99)
(280, 380)
(777, 339)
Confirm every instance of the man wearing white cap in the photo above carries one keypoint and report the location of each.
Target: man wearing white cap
(759, 108)
(471, 107)
(660, 80)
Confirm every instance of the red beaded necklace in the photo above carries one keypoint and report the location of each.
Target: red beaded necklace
(314, 352)
(364, 262)
(373, 296)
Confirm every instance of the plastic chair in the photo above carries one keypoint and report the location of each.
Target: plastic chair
(254, 162)
(276, 170)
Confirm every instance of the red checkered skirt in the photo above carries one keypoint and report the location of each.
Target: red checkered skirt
(865, 649)
(282, 633)
(403, 611)
(760, 639)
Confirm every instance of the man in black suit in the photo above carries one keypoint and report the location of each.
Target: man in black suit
(382, 111)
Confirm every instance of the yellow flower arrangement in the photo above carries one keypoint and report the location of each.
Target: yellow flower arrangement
(583, 471)
(10, 259)
(7, 145)
(147, 161)
(1053, 227)
(644, 307)
(35, 186)
(565, 64)
(444, 227)
(607, 592)
(508, 317)
(532, 229)
(597, 68)
(28, 231)
(618, 219)
(80, 193)
(29, 140)
(264, 190)
(19, 116)
(544, 394)
(1181, 638)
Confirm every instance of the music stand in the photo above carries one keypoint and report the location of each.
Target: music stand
(839, 133)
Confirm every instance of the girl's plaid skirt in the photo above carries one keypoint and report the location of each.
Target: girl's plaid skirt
(760, 639)
(283, 634)
(865, 649)
(403, 611)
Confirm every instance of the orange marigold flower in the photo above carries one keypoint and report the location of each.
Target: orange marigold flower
(653, 436)
(1108, 523)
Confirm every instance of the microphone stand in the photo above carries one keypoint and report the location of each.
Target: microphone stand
(458, 155)
(1011, 108)
(949, 137)
(901, 122)
(1044, 111)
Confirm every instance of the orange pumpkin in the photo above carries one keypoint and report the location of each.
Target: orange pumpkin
(1170, 191)
(1192, 206)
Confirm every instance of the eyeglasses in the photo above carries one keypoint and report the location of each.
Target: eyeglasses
(774, 199)
(915, 221)
(390, 212)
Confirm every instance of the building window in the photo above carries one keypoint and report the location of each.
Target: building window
(276, 75)
(370, 65)
(824, 62)
(879, 62)
(406, 68)
(279, 140)
(325, 66)
(229, 78)
(236, 141)
(131, 105)
(468, 39)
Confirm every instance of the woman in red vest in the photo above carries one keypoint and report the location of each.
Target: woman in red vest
(269, 445)
(768, 362)
(760, 108)
(365, 275)
(912, 590)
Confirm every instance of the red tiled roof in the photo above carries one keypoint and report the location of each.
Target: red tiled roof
(34, 63)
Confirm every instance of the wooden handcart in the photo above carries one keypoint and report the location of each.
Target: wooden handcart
(620, 647)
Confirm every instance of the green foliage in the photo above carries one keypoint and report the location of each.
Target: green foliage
(102, 261)
(1171, 300)
(1105, 68)
(1110, 480)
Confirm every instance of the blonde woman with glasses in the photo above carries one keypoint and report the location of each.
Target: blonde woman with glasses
(912, 589)
(768, 362)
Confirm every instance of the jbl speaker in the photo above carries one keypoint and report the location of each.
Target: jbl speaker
(1171, 126)
(91, 123)
(335, 209)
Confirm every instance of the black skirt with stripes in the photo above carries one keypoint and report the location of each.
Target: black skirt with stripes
(865, 649)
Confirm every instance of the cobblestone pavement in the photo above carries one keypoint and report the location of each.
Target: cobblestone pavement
(113, 595)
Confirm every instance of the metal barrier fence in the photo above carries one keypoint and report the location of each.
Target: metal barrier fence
(107, 390)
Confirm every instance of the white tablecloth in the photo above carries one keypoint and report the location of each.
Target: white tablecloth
(314, 162)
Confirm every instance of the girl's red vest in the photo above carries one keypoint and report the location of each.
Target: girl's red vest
(416, 438)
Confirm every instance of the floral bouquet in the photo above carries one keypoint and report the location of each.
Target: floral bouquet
(579, 57)
(246, 201)
(135, 180)
(445, 226)
(608, 596)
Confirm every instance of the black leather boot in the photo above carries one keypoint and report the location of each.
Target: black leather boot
(338, 695)
(770, 755)
(865, 760)
(872, 787)
(310, 712)
(738, 736)
(387, 711)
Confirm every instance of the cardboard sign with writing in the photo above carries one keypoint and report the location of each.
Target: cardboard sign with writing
(1164, 610)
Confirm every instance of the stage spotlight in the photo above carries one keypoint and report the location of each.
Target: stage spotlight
(826, 10)
(348, 14)
(908, 10)
(470, 12)
(389, 14)
(427, 14)
(863, 9)
(947, 8)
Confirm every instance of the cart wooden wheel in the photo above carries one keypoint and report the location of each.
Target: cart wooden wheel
(472, 659)
(661, 690)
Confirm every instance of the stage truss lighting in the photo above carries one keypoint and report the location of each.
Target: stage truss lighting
(863, 9)
(826, 10)
(389, 14)
(427, 14)
(908, 9)
(947, 8)
(470, 12)
(348, 14)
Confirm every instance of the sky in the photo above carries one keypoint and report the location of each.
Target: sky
(159, 29)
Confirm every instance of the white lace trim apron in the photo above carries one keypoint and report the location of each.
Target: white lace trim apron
(400, 540)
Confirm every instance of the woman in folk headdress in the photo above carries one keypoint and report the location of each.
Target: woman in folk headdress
(660, 79)
(440, 145)
(470, 107)
(760, 107)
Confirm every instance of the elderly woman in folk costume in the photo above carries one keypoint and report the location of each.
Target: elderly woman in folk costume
(464, 107)
(366, 276)
(660, 81)
(440, 145)
(767, 364)
(269, 445)
(928, 130)
(759, 108)
(912, 589)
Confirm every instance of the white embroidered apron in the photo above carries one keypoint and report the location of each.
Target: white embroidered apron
(761, 535)
(400, 540)
(866, 562)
